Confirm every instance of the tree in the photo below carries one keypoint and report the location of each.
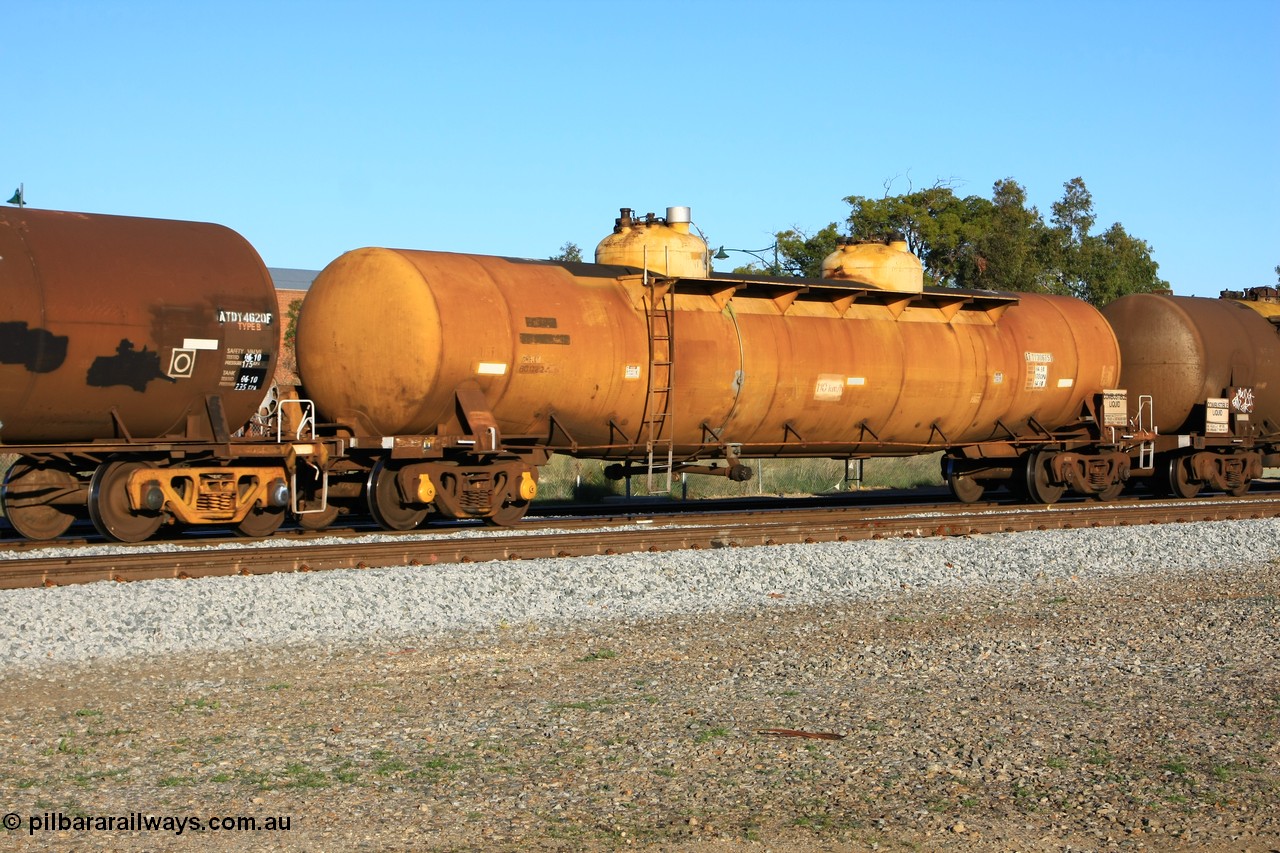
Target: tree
(569, 253)
(1116, 264)
(802, 255)
(291, 328)
(1009, 249)
(287, 361)
(916, 216)
(1073, 219)
(1004, 244)
(938, 227)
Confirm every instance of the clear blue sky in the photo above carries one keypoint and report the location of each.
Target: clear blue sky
(510, 128)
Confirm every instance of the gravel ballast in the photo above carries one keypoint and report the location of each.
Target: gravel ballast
(1064, 690)
(107, 621)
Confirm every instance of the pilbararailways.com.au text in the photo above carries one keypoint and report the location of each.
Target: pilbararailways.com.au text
(144, 822)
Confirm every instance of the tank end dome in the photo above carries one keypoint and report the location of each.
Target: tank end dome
(880, 265)
(663, 246)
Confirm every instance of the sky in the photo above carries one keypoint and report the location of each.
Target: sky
(511, 128)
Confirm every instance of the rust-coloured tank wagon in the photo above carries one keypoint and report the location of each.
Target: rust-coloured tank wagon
(650, 359)
(130, 352)
(1204, 376)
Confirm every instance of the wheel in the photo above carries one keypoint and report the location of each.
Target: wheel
(509, 514)
(1175, 478)
(261, 522)
(384, 500)
(965, 488)
(1240, 490)
(26, 494)
(319, 520)
(1035, 476)
(109, 504)
(519, 487)
(1110, 493)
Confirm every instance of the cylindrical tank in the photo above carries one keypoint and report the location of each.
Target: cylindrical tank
(419, 324)
(386, 336)
(1182, 350)
(146, 317)
(664, 246)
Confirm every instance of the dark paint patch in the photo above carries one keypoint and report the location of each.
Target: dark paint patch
(128, 366)
(38, 350)
(540, 322)
(530, 338)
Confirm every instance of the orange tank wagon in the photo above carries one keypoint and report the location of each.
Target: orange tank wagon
(650, 358)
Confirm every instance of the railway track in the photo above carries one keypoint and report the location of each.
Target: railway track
(622, 533)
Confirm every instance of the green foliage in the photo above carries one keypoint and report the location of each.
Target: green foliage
(1003, 244)
(1116, 264)
(291, 328)
(939, 228)
(569, 253)
(288, 353)
(801, 255)
(1000, 243)
(1009, 242)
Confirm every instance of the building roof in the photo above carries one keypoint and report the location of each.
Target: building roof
(290, 279)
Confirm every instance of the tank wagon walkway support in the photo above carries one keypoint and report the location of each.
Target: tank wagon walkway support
(658, 424)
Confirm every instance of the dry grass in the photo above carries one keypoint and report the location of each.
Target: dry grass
(566, 478)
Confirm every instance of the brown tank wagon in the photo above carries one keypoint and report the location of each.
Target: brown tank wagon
(651, 359)
(1204, 374)
(115, 326)
(130, 351)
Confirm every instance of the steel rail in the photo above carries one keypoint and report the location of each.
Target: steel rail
(729, 530)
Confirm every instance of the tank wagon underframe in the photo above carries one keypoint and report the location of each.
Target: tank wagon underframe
(130, 488)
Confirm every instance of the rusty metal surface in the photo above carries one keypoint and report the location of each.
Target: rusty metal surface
(796, 369)
(664, 246)
(1182, 350)
(143, 316)
(389, 335)
(914, 378)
